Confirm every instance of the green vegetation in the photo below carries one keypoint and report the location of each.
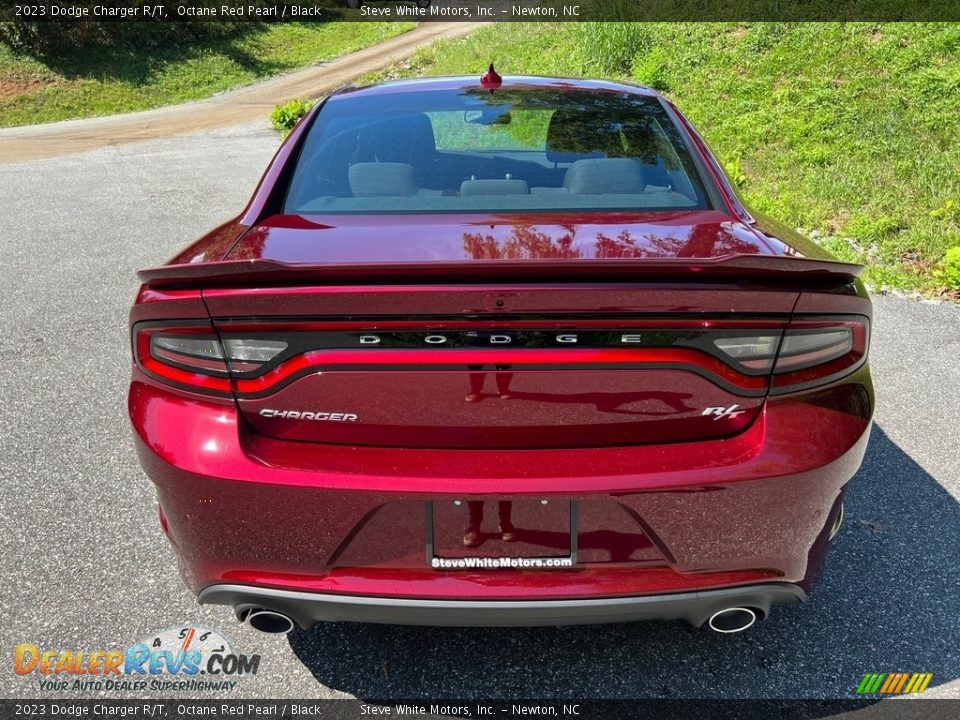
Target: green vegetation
(284, 117)
(140, 68)
(950, 274)
(848, 130)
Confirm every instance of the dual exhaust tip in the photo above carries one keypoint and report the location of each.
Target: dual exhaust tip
(728, 620)
(732, 620)
(268, 621)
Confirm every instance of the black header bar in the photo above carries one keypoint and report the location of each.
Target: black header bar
(475, 10)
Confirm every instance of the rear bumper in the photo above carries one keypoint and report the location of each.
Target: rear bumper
(306, 609)
(269, 516)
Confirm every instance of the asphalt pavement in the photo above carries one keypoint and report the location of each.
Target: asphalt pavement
(85, 565)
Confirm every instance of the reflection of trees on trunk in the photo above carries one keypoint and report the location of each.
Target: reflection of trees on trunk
(706, 240)
(610, 403)
(524, 242)
(528, 242)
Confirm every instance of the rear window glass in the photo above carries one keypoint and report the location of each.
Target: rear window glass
(521, 149)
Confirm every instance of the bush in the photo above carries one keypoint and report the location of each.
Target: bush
(949, 212)
(873, 229)
(56, 39)
(950, 274)
(651, 69)
(284, 117)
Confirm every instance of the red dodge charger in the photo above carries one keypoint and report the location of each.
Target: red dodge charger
(500, 351)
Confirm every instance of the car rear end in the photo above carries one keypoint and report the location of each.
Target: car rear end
(401, 417)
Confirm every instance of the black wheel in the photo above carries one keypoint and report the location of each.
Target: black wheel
(354, 4)
(423, 3)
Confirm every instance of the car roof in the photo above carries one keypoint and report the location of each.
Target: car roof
(465, 82)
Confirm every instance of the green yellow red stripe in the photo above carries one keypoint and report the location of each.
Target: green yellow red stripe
(894, 683)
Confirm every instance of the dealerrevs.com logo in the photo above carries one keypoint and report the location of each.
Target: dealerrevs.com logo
(189, 658)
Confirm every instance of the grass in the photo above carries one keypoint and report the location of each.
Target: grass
(847, 130)
(114, 80)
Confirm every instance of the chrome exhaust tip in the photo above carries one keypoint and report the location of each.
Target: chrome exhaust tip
(837, 523)
(268, 621)
(732, 620)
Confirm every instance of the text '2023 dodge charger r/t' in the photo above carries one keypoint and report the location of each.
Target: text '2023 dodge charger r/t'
(500, 351)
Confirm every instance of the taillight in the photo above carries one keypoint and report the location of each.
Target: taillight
(751, 351)
(194, 358)
(202, 354)
(819, 351)
(809, 352)
(807, 348)
(253, 349)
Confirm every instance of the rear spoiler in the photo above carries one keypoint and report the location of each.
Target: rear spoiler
(272, 272)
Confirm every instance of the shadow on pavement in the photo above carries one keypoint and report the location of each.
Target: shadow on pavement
(887, 602)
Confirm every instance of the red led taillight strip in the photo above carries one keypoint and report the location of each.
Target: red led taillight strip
(413, 359)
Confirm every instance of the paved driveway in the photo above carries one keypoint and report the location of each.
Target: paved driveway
(86, 565)
(228, 109)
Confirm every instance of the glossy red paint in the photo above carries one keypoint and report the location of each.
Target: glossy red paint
(230, 495)
(699, 235)
(508, 409)
(613, 302)
(672, 497)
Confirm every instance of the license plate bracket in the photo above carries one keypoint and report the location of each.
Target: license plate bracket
(501, 533)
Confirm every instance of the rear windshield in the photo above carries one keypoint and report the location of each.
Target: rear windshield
(522, 149)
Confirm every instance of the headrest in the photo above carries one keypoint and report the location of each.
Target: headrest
(399, 138)
(379, 179)
(603, 176)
